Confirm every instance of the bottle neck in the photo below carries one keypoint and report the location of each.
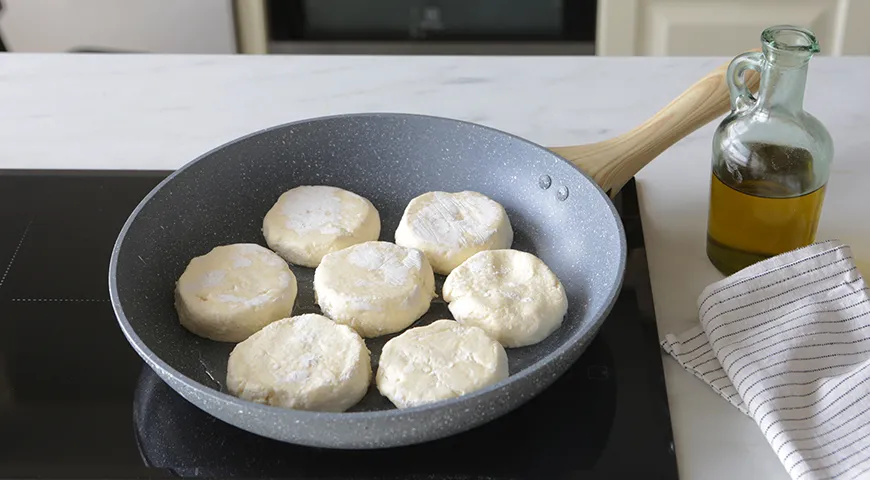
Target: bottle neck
(783, 83)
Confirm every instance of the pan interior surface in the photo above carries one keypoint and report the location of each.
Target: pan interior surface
(557, 213)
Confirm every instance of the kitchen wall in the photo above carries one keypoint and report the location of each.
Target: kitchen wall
(158, 26)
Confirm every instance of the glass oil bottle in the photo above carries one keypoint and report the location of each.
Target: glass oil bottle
(771, 159)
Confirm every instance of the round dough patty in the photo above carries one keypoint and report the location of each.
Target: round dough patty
(439, 361)
(233, 291)
(512, 295)
(375, 287)
(451, 227)
(308, 222)
(307, 362)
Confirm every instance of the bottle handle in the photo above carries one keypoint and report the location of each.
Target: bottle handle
(741, 96)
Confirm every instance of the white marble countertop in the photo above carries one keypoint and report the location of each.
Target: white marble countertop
(159, 112)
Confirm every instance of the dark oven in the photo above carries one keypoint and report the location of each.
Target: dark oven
(519, 27)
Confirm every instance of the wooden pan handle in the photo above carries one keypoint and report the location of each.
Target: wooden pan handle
(612, 163)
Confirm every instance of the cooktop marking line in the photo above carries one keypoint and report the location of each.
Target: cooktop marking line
(75, 300)
(15, 253)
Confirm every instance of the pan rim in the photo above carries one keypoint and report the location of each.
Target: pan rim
(155, 362)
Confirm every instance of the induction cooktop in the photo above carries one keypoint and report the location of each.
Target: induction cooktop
(77, 402)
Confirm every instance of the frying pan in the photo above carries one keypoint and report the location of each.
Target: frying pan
(558, 213)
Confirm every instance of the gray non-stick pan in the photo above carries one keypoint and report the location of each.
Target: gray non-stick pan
(558, 213)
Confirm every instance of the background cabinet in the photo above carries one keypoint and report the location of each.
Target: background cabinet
(155, 26)
(624, 27)
(722, 27)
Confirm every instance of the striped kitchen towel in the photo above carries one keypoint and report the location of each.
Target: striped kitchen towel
(787, 341)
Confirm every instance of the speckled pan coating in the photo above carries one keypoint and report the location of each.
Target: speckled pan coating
(222, 196)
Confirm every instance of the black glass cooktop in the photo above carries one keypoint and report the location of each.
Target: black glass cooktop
(77, 402)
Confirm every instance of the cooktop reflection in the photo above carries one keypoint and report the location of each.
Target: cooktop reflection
(76, 401)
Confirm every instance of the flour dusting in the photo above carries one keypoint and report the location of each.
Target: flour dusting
(241, 262)
(261, 299)
(397, 264)
(297, 376)
(456, 219)
(213, 278)
(310, 209)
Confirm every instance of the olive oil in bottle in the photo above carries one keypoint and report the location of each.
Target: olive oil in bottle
(755, 215)
(771, 159)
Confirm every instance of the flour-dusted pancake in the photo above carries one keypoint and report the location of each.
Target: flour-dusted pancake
(306, 362)
(512, 295)
(233, 291)
(439, 361)
(451, 227)
(310, 221)
(375, 287)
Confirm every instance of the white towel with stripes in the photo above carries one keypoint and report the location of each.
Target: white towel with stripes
(787, 341)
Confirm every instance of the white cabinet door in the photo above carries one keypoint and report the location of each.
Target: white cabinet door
(156, 26)
(723, 27)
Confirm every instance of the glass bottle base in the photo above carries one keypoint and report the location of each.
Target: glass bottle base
(729, 260)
